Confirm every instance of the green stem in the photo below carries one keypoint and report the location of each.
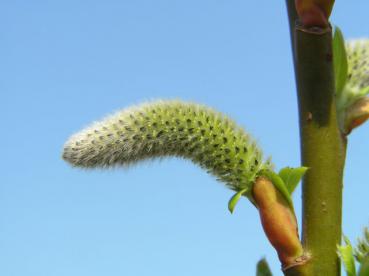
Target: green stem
(323, 149)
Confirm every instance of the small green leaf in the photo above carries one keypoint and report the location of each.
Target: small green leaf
(339, 60)
(234, 200)
(280, 185)
(292, 176)
(364, 268)
(347, 256)
(262, 268)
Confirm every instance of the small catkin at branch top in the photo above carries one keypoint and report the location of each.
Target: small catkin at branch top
(353, 101)
(358, 65)
(170, 128)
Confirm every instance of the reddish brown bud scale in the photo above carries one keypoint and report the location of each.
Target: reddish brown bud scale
(314, 13)
(357, 114)
(279, 222)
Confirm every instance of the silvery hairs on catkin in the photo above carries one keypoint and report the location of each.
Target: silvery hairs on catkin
(170, 128)
(358, 65)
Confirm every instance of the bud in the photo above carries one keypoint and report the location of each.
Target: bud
(314, 12)
(279, 222)
(357, 114)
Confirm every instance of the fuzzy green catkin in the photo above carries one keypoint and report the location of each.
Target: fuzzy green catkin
(351, 114)
(170, 128)
(358, 65)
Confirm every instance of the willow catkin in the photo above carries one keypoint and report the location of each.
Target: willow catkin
(170, 128)
(352, 102)
(358, 65)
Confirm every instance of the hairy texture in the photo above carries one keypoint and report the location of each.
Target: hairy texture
(352, 102)
(358, 65)
(170, 128)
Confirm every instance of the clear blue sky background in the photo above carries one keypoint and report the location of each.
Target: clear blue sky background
(66, 63)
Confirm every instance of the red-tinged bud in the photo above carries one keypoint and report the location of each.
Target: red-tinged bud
(357, 114)
(314, 13)
(279, 222)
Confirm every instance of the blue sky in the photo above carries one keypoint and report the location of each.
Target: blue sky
(67, 63)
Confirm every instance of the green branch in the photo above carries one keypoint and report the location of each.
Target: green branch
(323, 148)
